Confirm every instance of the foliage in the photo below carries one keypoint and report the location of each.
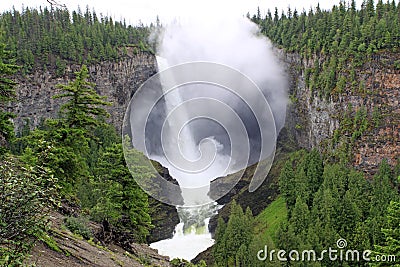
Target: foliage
(79, 226)
(84, 106)
(122, 202)
(67, 155)
(7, 68)
(353, 124)
(7, 93)
(391, 232)
(332, 42)
(183, 263)
(49, 241)
(6, 131)
(26, 195)
(343, 204)
(234, 237)
(301, 178)
(322, 202)
(47, 39)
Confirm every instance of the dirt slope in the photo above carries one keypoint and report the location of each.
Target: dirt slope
(72, 251)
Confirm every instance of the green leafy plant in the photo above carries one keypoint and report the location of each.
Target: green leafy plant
(26, 196)
(79, 226)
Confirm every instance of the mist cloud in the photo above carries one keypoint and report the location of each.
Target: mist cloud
(226, 120)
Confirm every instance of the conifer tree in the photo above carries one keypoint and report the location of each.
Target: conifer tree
(233, 238)
(122, 202)
(219, 249)
(391, 234)
(84, 106)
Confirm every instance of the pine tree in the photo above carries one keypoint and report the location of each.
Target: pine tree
(300, 216)
(391, 234)
(382, 194)
(84, 106)
(237, 231)
(314, 169)
(286, 184)
(122, 202)
(66, 159)
(219, 249)
(7, 91)
(234, 236)
(242, 256)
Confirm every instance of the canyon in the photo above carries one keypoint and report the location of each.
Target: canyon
(311, 120)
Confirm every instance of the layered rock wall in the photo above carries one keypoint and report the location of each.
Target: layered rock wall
(117, 80)
(313, 120)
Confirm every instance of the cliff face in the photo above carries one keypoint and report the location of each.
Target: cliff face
(314, 121)
(117, 80)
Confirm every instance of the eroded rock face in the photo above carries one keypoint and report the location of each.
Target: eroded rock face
(313, 120)
(164, 217)
(117, 80)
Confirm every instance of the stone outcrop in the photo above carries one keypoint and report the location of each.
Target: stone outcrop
(312, 120)
(117, 80)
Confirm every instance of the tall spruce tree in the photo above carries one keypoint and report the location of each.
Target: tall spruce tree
(122, 202)
(84, 105)
(391, 234)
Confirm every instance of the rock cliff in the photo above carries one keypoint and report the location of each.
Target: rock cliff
(318, 122)
(117, 80)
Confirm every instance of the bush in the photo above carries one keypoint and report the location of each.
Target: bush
(79, 226)
(397, 64)
(26, 196)
(183, 263)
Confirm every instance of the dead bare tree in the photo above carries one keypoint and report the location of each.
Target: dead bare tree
(56, 4)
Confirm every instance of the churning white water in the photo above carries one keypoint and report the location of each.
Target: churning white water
(184, 245)
(191, 235)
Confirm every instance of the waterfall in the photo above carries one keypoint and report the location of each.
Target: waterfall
(191, 235)
(219, 114)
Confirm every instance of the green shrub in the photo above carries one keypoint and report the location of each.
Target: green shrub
(79, 226)
(183, 263)
(26, 196)
(397, 64)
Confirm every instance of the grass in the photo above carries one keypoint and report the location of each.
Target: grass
(268, 221)
(50, 242)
